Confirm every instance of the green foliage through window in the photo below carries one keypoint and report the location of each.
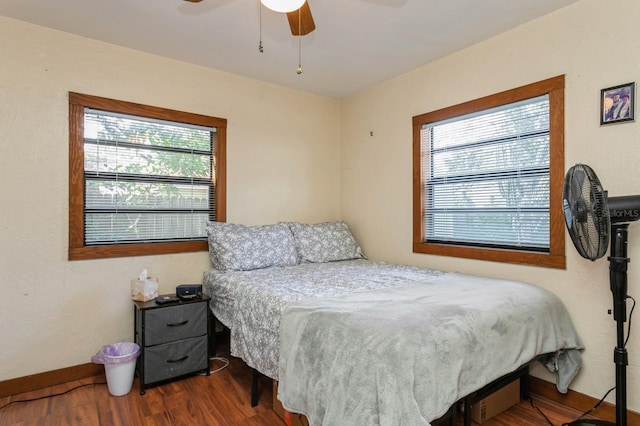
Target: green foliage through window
(146, 180)
(488, 174)
(487, 177)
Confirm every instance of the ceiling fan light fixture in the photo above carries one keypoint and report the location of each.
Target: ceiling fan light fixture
(283, 6)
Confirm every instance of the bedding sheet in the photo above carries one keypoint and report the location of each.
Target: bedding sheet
(250, 303)
(404, 355)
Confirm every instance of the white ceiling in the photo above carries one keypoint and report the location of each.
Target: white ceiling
(356, 44)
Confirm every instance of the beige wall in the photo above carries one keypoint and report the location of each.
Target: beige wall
(596, 46)
(282, 165)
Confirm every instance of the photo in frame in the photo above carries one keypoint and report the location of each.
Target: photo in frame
(617, 104)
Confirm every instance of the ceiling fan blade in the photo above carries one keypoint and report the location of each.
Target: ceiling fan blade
(301, 21)
(194, 1)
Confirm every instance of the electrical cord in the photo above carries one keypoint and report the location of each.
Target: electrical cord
(225, 364)
(52, 395)
(630, 314)
(594, 408)
(539, 411)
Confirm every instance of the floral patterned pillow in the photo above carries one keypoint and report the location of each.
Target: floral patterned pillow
(235, 247)
(325, 242)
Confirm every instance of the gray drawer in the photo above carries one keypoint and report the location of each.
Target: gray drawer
(175, 359)
(176, 322)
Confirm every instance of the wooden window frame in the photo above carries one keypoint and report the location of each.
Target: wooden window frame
(555, 258)
(77, 248)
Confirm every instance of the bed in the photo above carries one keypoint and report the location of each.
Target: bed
(352, 341)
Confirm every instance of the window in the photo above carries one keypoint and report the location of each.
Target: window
(488, 177)
(142, 180)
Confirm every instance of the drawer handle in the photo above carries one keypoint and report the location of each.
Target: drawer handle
(173, 361)
(177, 324)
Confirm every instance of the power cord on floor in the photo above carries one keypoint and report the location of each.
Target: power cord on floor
(52, 395)
(539, 411)
(225, 364)
(594, 408)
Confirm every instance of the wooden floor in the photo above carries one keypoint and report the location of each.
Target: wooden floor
(219, 399)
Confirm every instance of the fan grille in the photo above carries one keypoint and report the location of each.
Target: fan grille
(586, 212)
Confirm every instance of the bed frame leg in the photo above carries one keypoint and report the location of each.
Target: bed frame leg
(448, 418)
(254, 387)
(467, 412)
(213, 344)
(524, 386)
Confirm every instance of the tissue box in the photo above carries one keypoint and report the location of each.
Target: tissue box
(143, 290)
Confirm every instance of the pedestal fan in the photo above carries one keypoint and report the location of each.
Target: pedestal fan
(591, 218)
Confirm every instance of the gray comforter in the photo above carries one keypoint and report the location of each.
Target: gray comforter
(250, 303)
(404, 355)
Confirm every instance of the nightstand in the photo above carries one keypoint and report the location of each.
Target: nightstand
(173, 339)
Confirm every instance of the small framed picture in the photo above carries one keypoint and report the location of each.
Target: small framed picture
(617, 104)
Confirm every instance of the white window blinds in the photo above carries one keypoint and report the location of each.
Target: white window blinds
(146, 180)
(486, 177)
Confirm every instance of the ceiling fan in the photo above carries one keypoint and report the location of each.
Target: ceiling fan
(300, 20)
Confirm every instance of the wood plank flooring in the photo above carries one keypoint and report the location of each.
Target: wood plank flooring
(221, 399)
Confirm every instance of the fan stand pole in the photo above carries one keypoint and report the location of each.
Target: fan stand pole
(618, 262)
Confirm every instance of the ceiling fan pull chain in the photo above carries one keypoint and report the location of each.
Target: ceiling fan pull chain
(260, 48)
(299, 70)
